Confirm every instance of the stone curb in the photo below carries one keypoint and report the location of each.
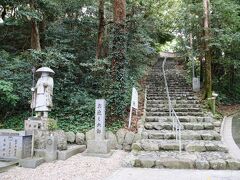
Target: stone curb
(226, 133)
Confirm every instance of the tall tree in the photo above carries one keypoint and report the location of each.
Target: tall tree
(208, 58)
(118, 62)
(35, 37)
(119, 39)
(101, 28)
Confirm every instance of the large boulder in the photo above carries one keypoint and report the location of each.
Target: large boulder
(80, 138)
(61, 139)
(136, 146)
(112, 138)
(127, 147)
(121, 135)
(70, 136)
(129, 137)
(136, 137)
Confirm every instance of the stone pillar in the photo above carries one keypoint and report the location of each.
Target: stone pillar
(51, 148)
(99, 146)
(196, 84)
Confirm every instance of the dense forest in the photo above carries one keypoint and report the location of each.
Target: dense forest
(101, 49)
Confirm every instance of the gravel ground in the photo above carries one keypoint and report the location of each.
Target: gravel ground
(77, 167)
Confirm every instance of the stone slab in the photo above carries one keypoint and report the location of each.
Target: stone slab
(98, 154)
(71, 151)
(98, 146)
(50, 156)
(6, 164)
(196, 84)
(31, 162)
(226, 132)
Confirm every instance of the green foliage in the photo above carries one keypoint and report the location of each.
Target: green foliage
(6, 94)
(68, 34)
(190, 63)
(224, 42)
(113, 127)
(52, 124)
(15, 122)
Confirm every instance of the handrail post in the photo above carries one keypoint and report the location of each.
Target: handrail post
(176, 124)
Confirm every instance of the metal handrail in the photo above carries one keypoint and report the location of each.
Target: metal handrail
(177, 125)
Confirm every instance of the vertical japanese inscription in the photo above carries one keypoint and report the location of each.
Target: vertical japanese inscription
(100, 119)
(14, 146)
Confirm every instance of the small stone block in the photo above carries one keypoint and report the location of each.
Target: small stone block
(31, 162)
(98, 146)
(218, 164)
(233, 164)
(6, 164)
(147, 163)
(202, 164)
(50, 156)
(71, 151)
(98, 154)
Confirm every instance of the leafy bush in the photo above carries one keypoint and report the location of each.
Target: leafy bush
(51, 124)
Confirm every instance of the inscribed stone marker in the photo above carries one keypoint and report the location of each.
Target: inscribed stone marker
(15, 146)
(100, 119)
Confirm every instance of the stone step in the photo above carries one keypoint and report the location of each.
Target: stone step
(191, 119)
(185, 160)
(178, 113)
(185, 134)
(173, 145)
(183, 102)
(160, 80)
(172, 98)
(170, 93)
(176, 109)
(174, 105)
(162, 88)
(184, 94)
(174, 81)
(187, 126)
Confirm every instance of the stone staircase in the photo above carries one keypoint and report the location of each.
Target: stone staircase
(201, 141)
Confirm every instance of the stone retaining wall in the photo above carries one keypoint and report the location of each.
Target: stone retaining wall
(123, 139)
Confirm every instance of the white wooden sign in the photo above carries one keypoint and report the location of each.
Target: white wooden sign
(134, 104)
(100, 119)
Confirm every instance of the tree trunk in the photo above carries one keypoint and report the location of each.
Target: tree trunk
(35, 37)
(101, 29)
(3, 15)
(231, 78)
(208, 58)
(117, 98)
(119, 11)
(42, 29)
(201, 57)
(119, 39)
